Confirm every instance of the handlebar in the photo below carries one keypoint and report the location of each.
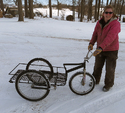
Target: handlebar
(85, 59)
(87, 56)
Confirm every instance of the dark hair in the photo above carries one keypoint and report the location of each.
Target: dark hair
(110, 7)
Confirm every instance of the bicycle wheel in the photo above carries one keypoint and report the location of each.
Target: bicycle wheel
(41, 64)
(34, 90)
(80, 84)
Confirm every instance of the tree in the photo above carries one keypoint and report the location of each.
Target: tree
(95, 16)
(82, 10)
(58, 7)
(26, 9)
(90, 10)
(20, 10)
(110, 1)
(2, 6)
(98, 9)
(102, 4)
(115, 6)
(123, 1)
(107, 2)
(50, 9)
(73, 8)
(31, 15)
(79, 10)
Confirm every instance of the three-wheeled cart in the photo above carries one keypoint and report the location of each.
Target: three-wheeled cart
(34, 80)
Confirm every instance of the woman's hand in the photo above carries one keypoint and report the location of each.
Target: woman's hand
(90, 47)
(97, 51)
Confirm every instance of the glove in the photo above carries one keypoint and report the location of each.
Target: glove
(97, 51)
(90, 47)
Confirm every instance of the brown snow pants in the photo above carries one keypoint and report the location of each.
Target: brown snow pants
(109, 58)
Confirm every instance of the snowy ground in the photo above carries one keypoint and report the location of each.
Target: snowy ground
(59, 42)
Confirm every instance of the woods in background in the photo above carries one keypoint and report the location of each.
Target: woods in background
(89, 8)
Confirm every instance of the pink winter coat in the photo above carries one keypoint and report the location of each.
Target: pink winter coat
(107, 38)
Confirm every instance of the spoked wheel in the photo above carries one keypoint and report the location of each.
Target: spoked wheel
(80, 84)
(41, 64)
(33, 89)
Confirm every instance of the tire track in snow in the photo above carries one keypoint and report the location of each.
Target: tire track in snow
(102, 102)
(90, 103)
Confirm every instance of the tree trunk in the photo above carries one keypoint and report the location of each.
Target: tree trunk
(81, 18)
(15, 1)
(58, 7)
(98, 9)
(50, 9)
(79, 9)
(115, 6)
(110, 2)
(2, 6)
(95, 16)
(90, 10)
(31, 16)
(73, 8)
(82, 10)
(121, 9)
(102, 3)
(20, 10)
(107, 2)
(26, 9)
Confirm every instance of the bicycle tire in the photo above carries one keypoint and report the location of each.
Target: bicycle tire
(32, 90)
(76, 85)
(41, 64)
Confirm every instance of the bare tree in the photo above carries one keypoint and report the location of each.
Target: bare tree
(31, 15)
(90, 10)
(58, 7)
(114, 5)
(73, 8)
(20, 10)
(82, 10)
(81, 18)
(110, 2)
(107, 2)
(79, 10)
(117, 6)
(2, 6)
(98, 9)
(123, 1)
(50, 9)
(15, 1)
(95, 16)
(26, 9)
(102, 3)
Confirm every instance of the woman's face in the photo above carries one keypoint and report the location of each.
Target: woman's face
(108, 14)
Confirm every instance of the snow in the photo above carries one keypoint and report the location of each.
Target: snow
(59, 42)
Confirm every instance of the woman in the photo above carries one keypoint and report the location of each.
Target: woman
(106, 35)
